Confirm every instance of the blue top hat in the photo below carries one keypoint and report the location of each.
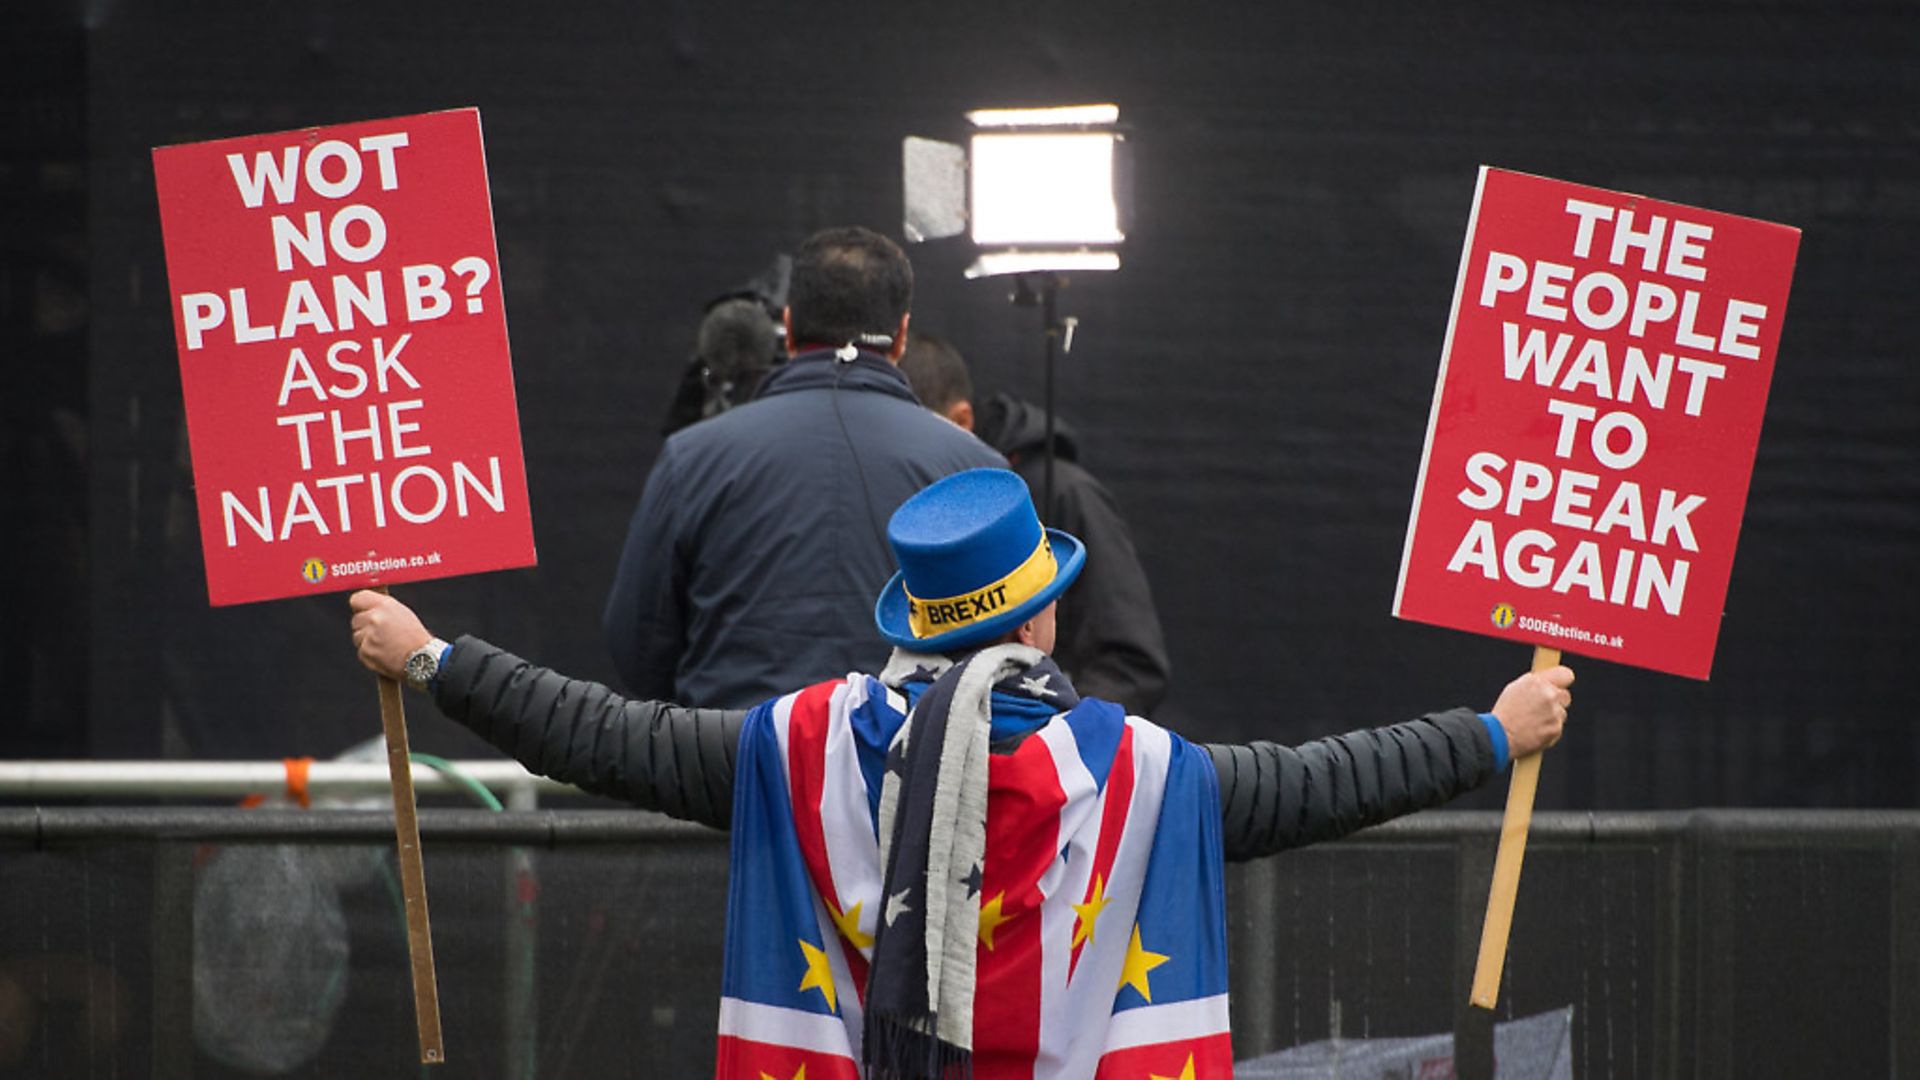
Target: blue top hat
(974, 563)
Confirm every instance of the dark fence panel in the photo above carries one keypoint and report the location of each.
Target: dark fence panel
(588, 943)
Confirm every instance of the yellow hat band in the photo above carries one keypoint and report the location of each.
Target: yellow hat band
(930, 617)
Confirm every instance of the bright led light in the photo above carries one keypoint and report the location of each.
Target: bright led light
(1032, 189)
(1038, 189)
(991, 263)
(1055, 116)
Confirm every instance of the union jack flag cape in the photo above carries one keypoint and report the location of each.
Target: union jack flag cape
(1102, 930)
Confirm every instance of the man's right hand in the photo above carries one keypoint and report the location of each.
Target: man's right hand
(385, 631)
(1533, 709)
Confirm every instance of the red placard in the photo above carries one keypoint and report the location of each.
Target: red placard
(1594, 424)
(343, 356)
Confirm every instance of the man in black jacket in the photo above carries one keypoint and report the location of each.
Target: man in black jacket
(1111, 644)
(882, 821)
(752, 558)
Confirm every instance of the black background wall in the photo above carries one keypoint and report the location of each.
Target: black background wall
(1253, 385)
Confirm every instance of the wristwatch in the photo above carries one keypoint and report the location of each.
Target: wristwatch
(423, 663)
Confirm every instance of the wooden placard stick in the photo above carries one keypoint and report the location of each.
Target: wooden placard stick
(1506, 863)
(413, 874)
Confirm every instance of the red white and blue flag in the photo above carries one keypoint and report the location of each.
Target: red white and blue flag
(1102, 932)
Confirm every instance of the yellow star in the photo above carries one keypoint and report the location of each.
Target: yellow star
(991, 918)
(1139, 962)
(819, 974)
(800, 1075)
(1089, 911)
(1186, 1073)
(849, 924)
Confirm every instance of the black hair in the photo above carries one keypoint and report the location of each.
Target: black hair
(737, 339)
(848, 282)
(936, 371)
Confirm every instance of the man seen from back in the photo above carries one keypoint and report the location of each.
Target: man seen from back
(754, 554)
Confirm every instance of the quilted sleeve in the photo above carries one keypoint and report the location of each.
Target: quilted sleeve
(655, 755)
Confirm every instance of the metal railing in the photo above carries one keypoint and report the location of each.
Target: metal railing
(1714, 943)
(33, 780)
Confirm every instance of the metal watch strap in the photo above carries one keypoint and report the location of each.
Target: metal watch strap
(423, 663)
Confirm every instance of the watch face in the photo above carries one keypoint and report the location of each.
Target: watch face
(420, 667)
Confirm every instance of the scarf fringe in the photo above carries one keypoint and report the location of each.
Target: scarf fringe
(904, 1048)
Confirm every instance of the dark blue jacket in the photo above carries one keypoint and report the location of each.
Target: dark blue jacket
(759, 544)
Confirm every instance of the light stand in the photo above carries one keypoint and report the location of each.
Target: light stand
(1042, 289)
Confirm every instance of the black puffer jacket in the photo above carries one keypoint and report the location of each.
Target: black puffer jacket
(680, 761)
